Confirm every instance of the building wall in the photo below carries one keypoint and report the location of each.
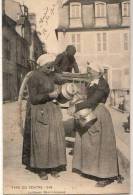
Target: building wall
(9, 66)
(27, 31)
(17, 34)
(38, 49)
(22, 59)
(16, 65)
(89, 18)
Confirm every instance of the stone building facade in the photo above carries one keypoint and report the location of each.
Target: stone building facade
(17, 37)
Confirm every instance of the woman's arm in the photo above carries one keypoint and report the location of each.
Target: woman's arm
(91, 102)
(59, 79)
(75, 66)
(101, 92)
(35, 97)
(57, 63)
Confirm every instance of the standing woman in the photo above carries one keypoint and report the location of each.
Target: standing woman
(95, 153)
(44, 137)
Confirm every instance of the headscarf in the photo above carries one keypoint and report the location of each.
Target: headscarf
(45, 59)
(96, 66)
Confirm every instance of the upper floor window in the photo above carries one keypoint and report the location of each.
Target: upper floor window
(125, 9)
(126, 41)
(100, 10)
(101, 41)
(76, 41)
(75, 10)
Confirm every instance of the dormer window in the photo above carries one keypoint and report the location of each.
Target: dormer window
(125, 9)
(75, 14)
(75, 10)
(100, 10)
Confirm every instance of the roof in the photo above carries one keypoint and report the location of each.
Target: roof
(80, 29)
(65, 2)
(13, 9)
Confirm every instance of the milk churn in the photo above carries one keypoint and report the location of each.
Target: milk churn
(67, 91)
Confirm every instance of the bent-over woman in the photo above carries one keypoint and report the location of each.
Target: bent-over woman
(44, 137)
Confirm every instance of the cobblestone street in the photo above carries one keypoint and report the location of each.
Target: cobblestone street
(18, 179)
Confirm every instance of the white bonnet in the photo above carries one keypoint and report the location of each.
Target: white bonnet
(46, 58)
(96, 66)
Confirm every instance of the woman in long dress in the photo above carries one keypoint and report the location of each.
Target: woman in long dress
(95, 153)
(44, 137)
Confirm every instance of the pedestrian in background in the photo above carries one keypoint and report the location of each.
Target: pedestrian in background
(65, 62)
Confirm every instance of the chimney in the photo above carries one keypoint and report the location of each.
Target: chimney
(32, 19)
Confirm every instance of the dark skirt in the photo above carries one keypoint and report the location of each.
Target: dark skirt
(44, 138)
(95, 149)
(27, 137)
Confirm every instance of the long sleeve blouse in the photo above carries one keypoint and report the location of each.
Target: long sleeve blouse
(40, 85)
(97, 93)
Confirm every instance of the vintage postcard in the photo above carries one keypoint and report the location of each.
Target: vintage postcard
(66, 96)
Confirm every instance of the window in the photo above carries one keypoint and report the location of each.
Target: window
(75, 15)
(100, 10)
(104, 42)
(126, 41)
(76, 41)
(7, 49)
(75, 10)
(125, 9)
(101, 41)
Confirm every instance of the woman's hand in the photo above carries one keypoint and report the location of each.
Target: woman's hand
(53, 94)
(71, 110)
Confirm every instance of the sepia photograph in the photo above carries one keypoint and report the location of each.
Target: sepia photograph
(66, 97)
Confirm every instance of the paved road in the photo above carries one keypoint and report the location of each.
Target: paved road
(20, 181)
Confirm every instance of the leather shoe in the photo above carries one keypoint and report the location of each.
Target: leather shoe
(55, 174)
(43, 175)
(104, 183)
